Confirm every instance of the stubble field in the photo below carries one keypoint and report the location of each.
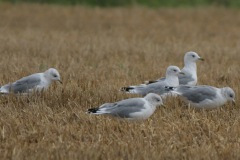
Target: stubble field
(97, 51)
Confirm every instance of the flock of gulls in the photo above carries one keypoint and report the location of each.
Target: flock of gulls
(175, 83)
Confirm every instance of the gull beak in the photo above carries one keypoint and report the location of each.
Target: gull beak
(164, 106)
(60, 81)
(182, 73)
(233, 101)
(201, 59)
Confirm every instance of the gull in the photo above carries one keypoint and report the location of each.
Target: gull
(190, 70)
(37, 81)
(134, 109)
(203, 96)
(158, 87)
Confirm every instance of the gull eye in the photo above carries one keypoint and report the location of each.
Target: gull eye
(231, 95)
(174, 70)
(193, 56)
(55, 75)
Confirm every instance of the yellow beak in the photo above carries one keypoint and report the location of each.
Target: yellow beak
(234, 102)
(182, 73)
(164, 106)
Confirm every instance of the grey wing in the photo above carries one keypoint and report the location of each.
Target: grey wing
(23, 84)
(126, 107)
(185, 79)
(158, 87)
(197, 94)
(183, 88)
(161, 79)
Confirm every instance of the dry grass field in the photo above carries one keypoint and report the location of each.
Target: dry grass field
(97, 51)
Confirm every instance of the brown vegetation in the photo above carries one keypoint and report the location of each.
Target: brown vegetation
(97, 51)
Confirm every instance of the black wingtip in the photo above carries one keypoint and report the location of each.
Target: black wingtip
(169, 88)
(127, 89)
(92, 110)
(150, 82)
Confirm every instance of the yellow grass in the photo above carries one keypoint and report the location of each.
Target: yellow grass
(97, 51)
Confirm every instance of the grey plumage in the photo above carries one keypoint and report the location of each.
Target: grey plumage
(157, 87)
(131, 109)
(123, 108)
(172, 73)
(23, 84)
(183, 79)
(197, 94)
(203, 96)
(161, 79)
(37, 81)
(190, 70)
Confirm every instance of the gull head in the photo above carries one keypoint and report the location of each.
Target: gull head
(154, 99)
(53, 75)
(229, 94)
(173, 71)
(192, 57)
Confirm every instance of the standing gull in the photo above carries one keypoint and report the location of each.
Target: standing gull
(37, 81)
(203, 96)
(190, 70)
(158, 87)
(134, 109)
